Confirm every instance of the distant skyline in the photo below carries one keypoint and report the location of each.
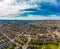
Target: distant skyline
(29, 9)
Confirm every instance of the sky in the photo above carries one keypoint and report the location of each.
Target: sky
(29, 9)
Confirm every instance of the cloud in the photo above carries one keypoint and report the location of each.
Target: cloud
(45, 8)
(32, 17)
(29, 9)
(11, 7)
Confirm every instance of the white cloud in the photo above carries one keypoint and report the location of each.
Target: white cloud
(31, 17)
(7, 7)
(37, 17)
(12, 7)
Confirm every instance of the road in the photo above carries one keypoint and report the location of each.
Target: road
(53, 35)
(57, 33)
(26, 45)
(11, 40)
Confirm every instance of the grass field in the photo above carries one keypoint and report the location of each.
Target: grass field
(52, 45)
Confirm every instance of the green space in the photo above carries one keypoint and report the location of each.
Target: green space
(21, 39)
(10, 47)
(44, 45)
(1, 37)
(34, 34)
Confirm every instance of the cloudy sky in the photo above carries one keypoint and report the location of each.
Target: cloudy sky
(30, 9)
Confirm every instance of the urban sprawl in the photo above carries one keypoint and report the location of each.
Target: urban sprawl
(29, 34)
